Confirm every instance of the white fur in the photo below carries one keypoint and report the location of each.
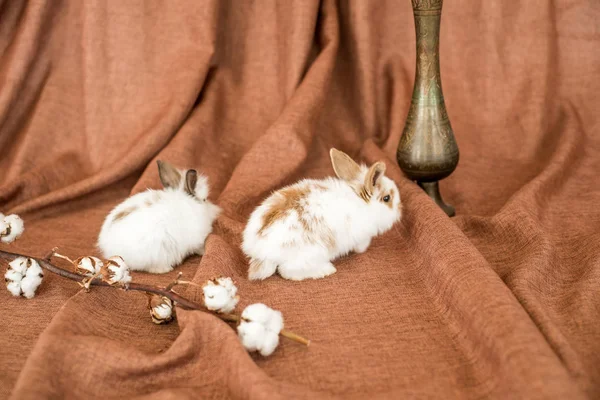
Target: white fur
(259, 328)
(157, 237)
(336, 211)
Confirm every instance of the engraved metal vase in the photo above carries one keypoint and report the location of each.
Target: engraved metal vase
(427, 152)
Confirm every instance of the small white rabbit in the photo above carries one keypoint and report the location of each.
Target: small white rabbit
(301, 228)
(156, 230)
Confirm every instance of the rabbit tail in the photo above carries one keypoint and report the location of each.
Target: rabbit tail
(261, 269)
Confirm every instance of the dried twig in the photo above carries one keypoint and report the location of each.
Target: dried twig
(162, 291)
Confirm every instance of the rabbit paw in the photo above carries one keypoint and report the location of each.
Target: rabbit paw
(160, 269)
(362, 247)
(314, 271)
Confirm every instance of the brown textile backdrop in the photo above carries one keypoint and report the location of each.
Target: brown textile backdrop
(500, 302)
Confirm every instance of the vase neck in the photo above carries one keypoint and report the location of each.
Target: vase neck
(427, 77)
(427, 5)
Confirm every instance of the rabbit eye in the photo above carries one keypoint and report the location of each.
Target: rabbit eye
(386, 198)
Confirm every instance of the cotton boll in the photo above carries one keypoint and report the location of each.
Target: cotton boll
(118, 275)
(14, 288)
(215, 296)
(275, 321)
(118, 260)
(267, 316)
(118, 271)
(15, 228)
(88, 266)
(30, 285)
(13, 276)
(269, 343)
(16, 223)
(3, 226)
(23, 277)
(161, 309)
(32, 280)
(228, 284)
(251, 335)
(19, 265)
(220, 295)
(259, 329)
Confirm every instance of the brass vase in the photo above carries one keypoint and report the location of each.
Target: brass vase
(427, 152)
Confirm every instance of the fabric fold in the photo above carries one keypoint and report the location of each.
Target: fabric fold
(498, 302)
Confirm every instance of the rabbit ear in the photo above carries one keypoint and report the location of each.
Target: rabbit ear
(191, 177)
(169, 175)
(344, 167)
(375, 172)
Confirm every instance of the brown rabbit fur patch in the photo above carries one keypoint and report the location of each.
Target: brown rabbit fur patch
(288, 200)
(123, 214)
(155, 198)
(390, 202)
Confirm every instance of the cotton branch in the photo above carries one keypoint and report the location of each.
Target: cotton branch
(157, 290)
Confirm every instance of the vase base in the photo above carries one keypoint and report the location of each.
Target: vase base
(433, 190)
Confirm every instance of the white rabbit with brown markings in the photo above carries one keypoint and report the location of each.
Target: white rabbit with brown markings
(300, 229)
(156, 230)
